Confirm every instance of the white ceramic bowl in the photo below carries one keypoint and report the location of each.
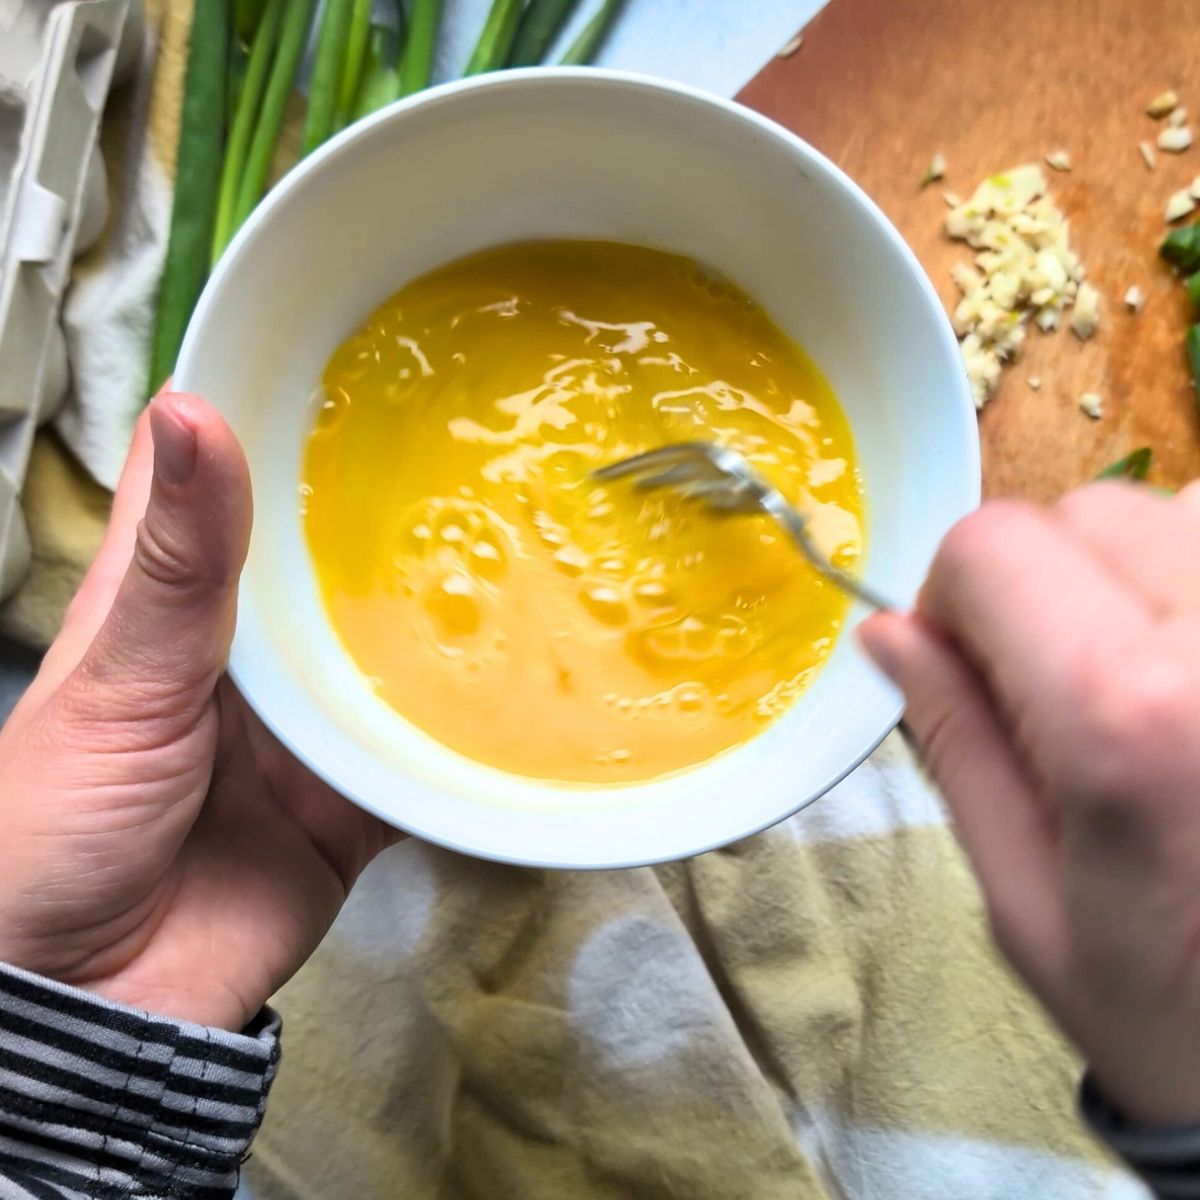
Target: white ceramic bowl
(573, 154)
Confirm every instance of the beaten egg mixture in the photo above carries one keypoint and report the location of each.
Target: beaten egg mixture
(510, 606)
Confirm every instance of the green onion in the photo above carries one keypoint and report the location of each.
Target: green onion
(416, 64)
(246, 16)
(1193, 350)
(352, 66)
(496, 41)
(235, 78)
(1192, 283)
(1182, 248)
(585, 47)
(197, 171)
(323, 87)
(380, 83)
(539, 27)
(261, 53)
(1133, 466)
(297, 14)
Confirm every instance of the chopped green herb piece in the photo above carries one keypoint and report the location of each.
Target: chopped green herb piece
(1193, 349)
(1134, 465)
(1182, 247)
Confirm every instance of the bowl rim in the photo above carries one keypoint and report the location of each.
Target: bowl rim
(324, 158)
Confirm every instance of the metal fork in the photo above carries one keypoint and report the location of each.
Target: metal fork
(723, 481)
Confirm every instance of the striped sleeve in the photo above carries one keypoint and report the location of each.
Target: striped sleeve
(102, 1101)
(1167, 1160)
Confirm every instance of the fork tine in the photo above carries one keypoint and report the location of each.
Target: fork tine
(677, 474)
(649, 461)
(698, 454)
(726, 484)
(729, 499)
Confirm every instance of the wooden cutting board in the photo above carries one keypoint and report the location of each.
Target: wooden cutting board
(880, 86)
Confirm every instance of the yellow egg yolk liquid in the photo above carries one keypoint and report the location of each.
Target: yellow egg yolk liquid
(506, 603)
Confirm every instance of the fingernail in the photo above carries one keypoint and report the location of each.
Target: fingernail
(174, 445)
(873, 637)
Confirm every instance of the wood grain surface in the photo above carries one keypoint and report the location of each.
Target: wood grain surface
(881, 85)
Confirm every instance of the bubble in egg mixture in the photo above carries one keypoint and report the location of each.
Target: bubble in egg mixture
(454, 606)
(605, 603)
(487, 559)
(502, 600)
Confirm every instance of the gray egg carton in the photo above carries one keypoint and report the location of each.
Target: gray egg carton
(53, 206)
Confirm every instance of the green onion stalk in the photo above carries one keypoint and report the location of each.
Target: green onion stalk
(235, 77)
(262, 52)
(355, 59)
(416, 63)
(593, 35)
(297, 16)
(496, 41)
(380, 81)
(197, 174)
(246, 16)
(539, 27)
(323, 87)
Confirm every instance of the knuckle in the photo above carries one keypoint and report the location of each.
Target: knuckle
(974, 539)
(937, 741)
(1081, 503)
(1122, 717)
(112, 714)
(160, 556)
(1099, 508)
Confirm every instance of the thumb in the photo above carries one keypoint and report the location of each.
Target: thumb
(158, 654)
(1003, 826)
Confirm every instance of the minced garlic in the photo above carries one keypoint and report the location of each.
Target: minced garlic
(1148, 155)
(935, 170)
(1179, 205)
(1085, 315)
(1162, 104)
(1134, 298)
(1023, 268)
(1175, 140)
(1060, 160)
(1092, 404)
(1178, 118)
